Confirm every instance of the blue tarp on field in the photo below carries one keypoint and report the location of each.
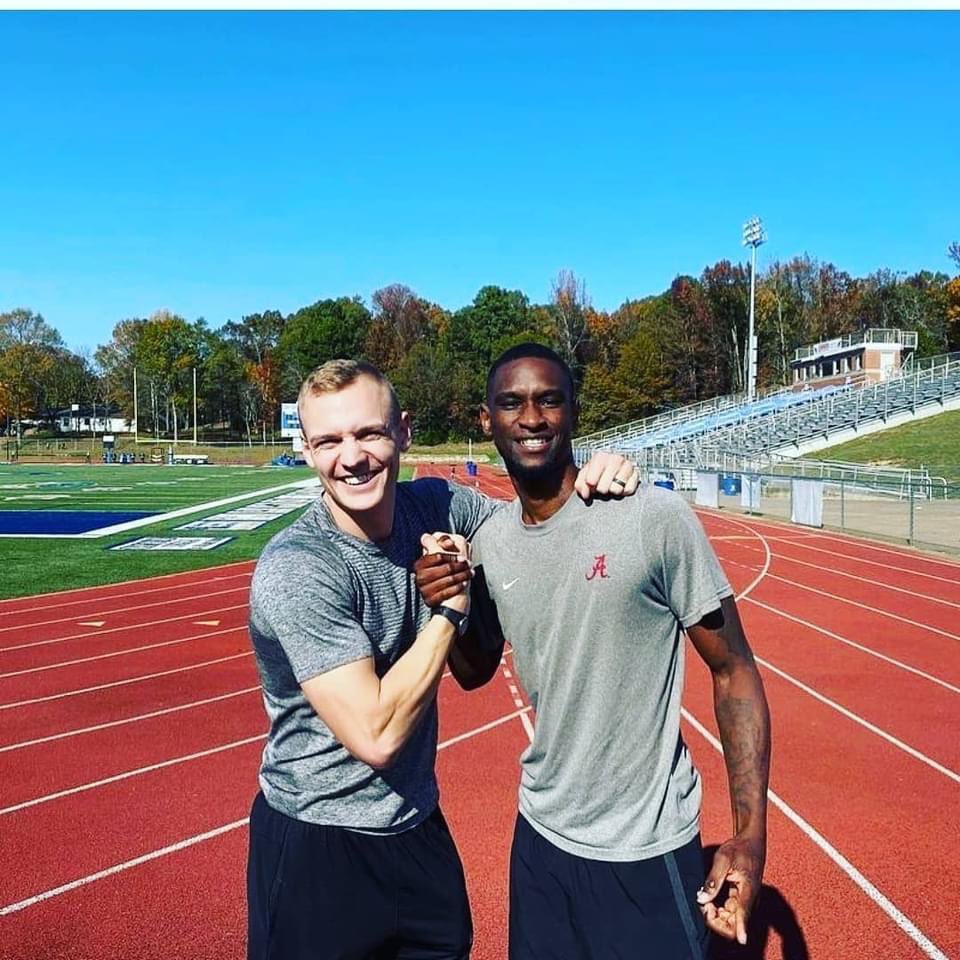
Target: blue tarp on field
(65, 521)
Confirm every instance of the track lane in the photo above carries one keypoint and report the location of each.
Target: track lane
(859, 792)
(809, 878)
(807, 906)
(883, 591)
(14, 607)
(76, 711)
(206, 644)
(47, 768)
(122, 612)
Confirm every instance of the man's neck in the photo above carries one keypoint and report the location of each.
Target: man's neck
(540, 499)
(363, 526)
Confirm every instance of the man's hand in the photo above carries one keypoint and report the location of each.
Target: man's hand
(443, 573)
(607, 474)
(737, 869)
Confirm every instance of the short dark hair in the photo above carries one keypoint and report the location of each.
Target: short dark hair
(539, 352)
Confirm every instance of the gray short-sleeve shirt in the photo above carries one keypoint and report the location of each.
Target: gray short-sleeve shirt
(320, 599)
(593, 602)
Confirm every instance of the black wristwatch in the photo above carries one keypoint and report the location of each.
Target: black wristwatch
(458, 619)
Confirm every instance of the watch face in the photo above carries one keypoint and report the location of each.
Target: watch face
(458, 619)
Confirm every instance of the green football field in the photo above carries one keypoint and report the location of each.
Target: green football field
(132, 486)
(31, 565)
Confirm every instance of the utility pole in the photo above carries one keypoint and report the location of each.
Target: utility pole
(194, 406)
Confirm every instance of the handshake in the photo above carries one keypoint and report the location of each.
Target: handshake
(443, 573)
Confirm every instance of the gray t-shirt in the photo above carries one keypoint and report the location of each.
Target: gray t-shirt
(593, 601)
(320, 599)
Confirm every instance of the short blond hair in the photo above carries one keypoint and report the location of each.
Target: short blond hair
(334, 375)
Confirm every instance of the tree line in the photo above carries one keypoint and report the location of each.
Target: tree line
(684, 344)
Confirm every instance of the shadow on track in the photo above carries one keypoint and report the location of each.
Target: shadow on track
(772, 914)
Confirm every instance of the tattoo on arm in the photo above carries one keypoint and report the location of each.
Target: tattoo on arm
(741, 712)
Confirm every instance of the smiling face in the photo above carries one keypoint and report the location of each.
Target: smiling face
(353, 439)
(531, 416)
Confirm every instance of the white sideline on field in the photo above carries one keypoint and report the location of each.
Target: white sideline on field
(160, 518)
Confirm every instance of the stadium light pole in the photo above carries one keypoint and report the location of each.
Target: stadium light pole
(753, 236)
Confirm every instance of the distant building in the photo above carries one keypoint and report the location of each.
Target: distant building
(93, 418)
(866, 357)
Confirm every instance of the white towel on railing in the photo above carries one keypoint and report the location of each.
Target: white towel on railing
(708, 489)
(807, 499)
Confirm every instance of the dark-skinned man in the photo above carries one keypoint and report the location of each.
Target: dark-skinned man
(606, 859)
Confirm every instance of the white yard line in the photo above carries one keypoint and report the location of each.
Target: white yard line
(162, 517)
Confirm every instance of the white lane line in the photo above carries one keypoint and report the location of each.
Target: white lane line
(120, 867)
(766, 563)
(525, 713)
(121, 683)
(878, 563)
(858, 646)
(916, 754)
(487, 726)
(201, 837)
(785, 531)
(127, 774)
(850, 715)
(527, 725)
(136, 719)
(121, 653)
(875, 583)
(865, 606)
(886, 905)
(124, 629)
(100, 597)
(107, 613)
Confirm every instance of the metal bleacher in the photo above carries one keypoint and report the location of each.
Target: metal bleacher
(730, 433)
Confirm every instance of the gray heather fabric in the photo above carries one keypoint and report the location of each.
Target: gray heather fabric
(321, 599)
(593, 601)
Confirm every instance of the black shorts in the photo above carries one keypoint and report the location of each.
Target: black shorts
(564, 907)
(326, 893)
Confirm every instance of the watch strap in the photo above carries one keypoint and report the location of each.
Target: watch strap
(458, 619)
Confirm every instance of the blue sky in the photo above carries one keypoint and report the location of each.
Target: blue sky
(220, 164)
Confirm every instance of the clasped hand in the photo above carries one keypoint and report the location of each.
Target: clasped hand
(443, 573)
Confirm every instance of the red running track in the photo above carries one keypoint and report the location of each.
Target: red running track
(131, 727)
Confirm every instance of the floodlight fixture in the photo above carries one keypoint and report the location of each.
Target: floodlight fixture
(753, 236)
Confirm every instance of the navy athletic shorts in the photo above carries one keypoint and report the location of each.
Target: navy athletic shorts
(326, 893)
(564, 907)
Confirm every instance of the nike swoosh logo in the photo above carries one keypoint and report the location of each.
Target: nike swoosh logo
(507, 586)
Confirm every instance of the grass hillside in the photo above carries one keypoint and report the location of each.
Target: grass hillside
(933, 443)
